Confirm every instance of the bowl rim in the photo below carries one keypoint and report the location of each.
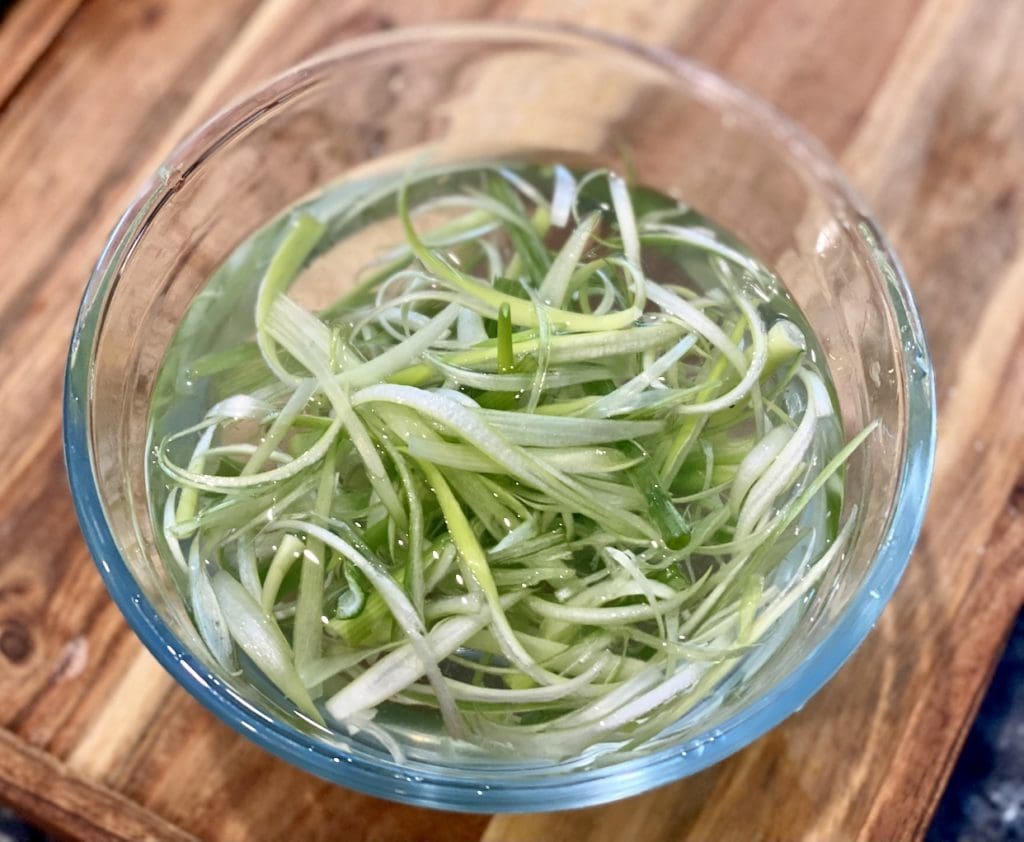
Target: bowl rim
(461, 791)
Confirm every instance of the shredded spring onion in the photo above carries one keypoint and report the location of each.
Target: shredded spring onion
(552, 469)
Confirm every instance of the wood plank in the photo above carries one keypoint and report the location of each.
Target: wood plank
(928, 124)
(246, 794)
(45, 793)
(26, 31)
(816, 61)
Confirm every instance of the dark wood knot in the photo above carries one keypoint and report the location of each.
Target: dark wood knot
(15, 642)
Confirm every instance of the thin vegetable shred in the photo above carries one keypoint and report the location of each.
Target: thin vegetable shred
(525, 457)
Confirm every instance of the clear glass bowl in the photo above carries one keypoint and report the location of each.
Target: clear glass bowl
(504, 91)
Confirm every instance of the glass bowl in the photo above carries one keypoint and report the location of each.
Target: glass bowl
(454, 92)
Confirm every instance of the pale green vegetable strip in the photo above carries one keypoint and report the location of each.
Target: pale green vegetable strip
(189, 497)
(402, 667)
(308, 631)
(553, 287)
(479, 570)
(398, 356)
(417, 584)
(260, 638)
(627, 221)
(282, 424)
(304, 234)
(545, 693)
(563, 348)
(757, 460)
(289, 550)
(248, 571)
(217, 483)
(209, 617)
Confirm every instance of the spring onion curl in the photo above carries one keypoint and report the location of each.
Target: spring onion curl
(556, 463)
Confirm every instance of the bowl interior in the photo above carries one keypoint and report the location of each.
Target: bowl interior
(389, 102)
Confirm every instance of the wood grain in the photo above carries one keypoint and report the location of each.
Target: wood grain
(27, 30)
(920, 99)
(70, 806)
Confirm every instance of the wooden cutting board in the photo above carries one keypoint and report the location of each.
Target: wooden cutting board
(923, 103)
